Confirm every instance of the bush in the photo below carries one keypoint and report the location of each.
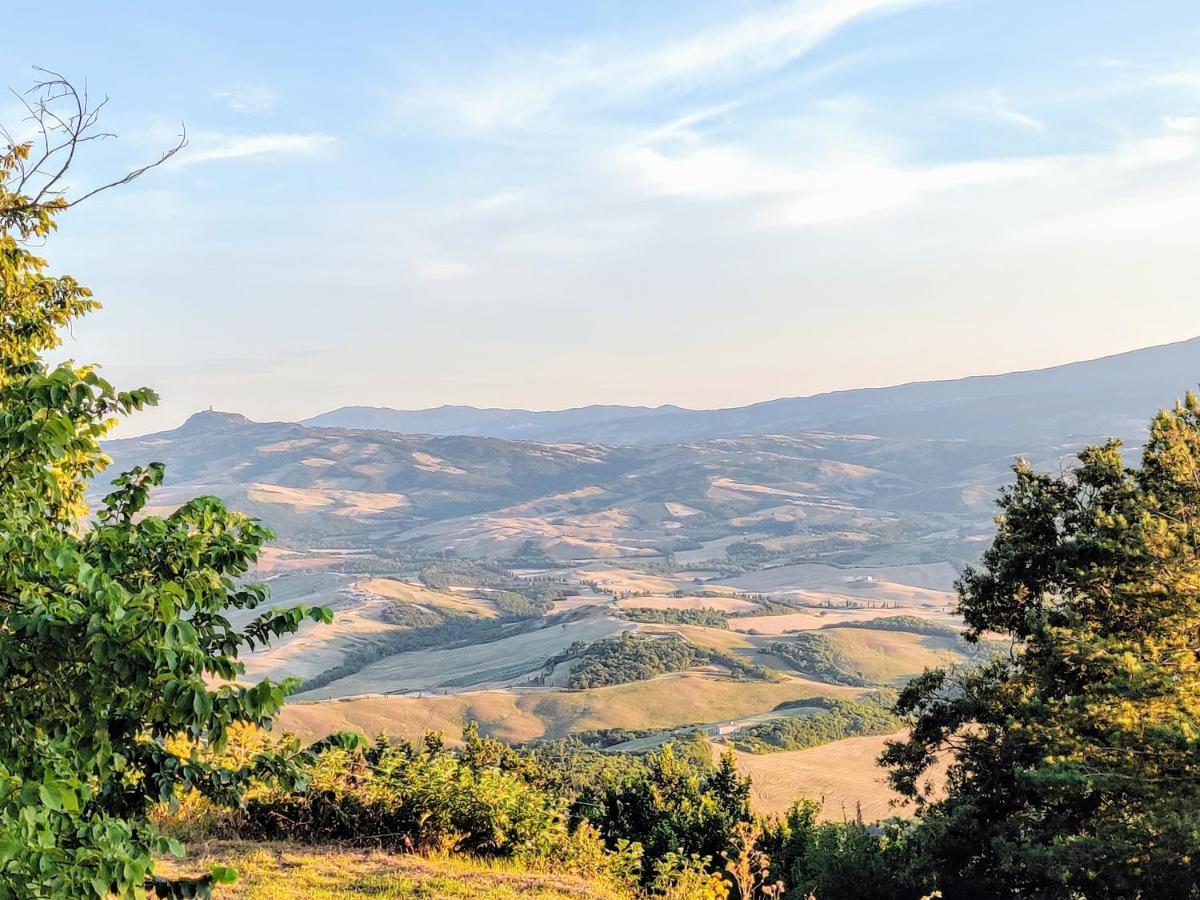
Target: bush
(636, 657)
(675, 807)
(707, 618)
(845, 860)
(486, 800)
(840, 719)
(911, 624)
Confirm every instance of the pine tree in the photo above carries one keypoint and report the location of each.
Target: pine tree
(1075, 759)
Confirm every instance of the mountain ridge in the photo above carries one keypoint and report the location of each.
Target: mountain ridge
(1111, 393)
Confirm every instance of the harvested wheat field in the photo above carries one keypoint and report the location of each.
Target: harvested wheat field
(511, 658)
(348, 503)
(522, 715)
(410, 717)
(840, 776)
(929, 584)
(316, 647)
(287, 872)
(625, 581)
(892, 656)
(419, 595)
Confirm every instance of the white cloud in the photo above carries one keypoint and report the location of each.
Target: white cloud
(844, 175)
(998, 105)
(1186, 124)
(247, 99)
(211, 146)
(753, 44)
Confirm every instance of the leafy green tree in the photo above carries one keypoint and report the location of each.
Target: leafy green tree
(848, 860)
(671, 805)
(113, 631)
(1075, 760)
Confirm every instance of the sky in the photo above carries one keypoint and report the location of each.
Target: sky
(547, 205)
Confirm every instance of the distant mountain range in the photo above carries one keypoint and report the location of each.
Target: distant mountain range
(1114, 395)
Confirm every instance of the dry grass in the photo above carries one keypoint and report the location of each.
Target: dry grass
(626, 581)
(892, 656)
(840, 776)
(277, 559)
(820, 618)
(286, 872)
(494, 664)
(913, 585)
(523, 715)
(348, 503)
(430, 463)
(405, 592)
(713, 638)
(315, 647)
(410, 717)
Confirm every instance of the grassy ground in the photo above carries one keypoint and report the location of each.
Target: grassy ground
(283, 872)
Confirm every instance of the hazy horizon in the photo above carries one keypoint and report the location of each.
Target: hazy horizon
(695, 204)
(130, 427)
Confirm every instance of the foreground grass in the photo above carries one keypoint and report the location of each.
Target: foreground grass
(287, 872)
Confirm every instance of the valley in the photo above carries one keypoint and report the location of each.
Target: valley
(765, 592)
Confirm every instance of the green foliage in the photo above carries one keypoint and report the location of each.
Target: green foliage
(603, 738)
(769, 606)
(513, 596)
(530, 555)
(845, 860)
(667, 816)
(816, 657)
(113, 632)
(513, 605)
(636, 657)
(1075, 760)
(910, 624)
(423, 798)
(707, 618)
(411, 615)
(673, 807)
(751, 553)
(839, 719)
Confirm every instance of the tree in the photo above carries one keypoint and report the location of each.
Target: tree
(674, 805)
(113, 631)
(1074, 759)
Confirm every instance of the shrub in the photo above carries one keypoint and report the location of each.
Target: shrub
(845, 860)
(707, 618)
(839, 719)
(636, 657)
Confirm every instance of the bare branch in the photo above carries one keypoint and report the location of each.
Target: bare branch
(61, 117)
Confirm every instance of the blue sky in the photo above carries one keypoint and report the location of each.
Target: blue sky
(554, 204)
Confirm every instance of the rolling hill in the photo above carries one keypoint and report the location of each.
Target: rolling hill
(471, 574)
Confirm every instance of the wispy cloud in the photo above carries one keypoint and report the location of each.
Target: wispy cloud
(254, 99)
(997, 105)
(847, 174)
(212, 146)
(753, 44)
